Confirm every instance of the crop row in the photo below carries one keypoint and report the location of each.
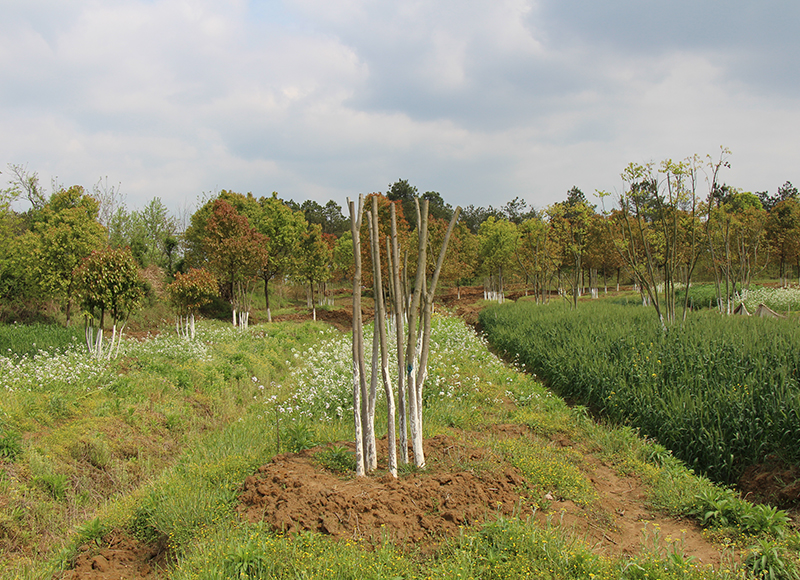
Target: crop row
(721, 392)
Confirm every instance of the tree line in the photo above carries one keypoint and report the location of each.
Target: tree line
(672, 223)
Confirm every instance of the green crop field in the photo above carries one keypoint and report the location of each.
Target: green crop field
(721, 392)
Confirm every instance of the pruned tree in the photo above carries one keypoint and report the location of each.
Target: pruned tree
(416, 341)
(188, 293)
(108, 281)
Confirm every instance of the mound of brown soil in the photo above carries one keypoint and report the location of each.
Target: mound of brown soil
(463, 485)
(292, 493)
(120, 558)
(773, 482)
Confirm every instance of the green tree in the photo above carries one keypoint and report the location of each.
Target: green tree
(783, 232)
(283, 229)
(236, 252)
(328, 216)
(66, 232)
(187, 294)
(536, 250)
(497, 243)
(405, 193)
(108, 281)
(570, 222)
(314, 259)
(159, 233)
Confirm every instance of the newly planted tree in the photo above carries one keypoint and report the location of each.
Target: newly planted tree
(236, 251)
(413, 346)
(66, 232)
(188, 293)
(108, 282)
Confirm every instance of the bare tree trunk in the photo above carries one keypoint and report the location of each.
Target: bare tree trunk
(380, 331)
(399, 308)
(428, 313)
(411, 345)
(359, 379)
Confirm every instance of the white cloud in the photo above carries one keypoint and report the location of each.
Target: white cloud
(482, 100)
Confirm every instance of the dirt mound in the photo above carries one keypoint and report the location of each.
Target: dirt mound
(292, 493)
(774, 482)
(463, 485)
(120, 558)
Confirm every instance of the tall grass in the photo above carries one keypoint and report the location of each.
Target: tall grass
(30, 340)
(720, 392)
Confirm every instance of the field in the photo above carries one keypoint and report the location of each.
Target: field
(723, 393)
(231, 457)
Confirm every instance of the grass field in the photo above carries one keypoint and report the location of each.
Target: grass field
(157, 444)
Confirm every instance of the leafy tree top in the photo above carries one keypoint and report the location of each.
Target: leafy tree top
(192, 290)
(109, 280)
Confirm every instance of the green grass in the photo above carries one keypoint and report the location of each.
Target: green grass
(29, 340)
(179, 426)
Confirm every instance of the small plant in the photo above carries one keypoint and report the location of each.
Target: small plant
(246, 561)
(769, 560)
(10, 445)
(764, 519)
(298, 437)
(92, 531)
(53, 483)
(717, 508)
(338, 459)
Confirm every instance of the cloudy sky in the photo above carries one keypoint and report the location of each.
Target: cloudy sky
(480, 100)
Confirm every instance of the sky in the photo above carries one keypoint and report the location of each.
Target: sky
(482, 101)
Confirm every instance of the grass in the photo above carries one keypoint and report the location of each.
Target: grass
(177, 427)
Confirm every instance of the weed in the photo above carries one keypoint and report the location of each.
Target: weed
(764, 519)
(769, 560)
(10, 445)
(298, 437)
(338, 459)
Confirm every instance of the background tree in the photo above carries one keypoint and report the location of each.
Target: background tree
(405, 193)
(785, 191)
(535, 247)
(313, 261)
(195, 235)
(462, 258)
(783, 232)
(283, 229)
(236, 252)
(437, 207)
(66, 232)
(25, 184)
(570, 221)
(497, 242)
(328, 216)
(108, 281)
(188, 293)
